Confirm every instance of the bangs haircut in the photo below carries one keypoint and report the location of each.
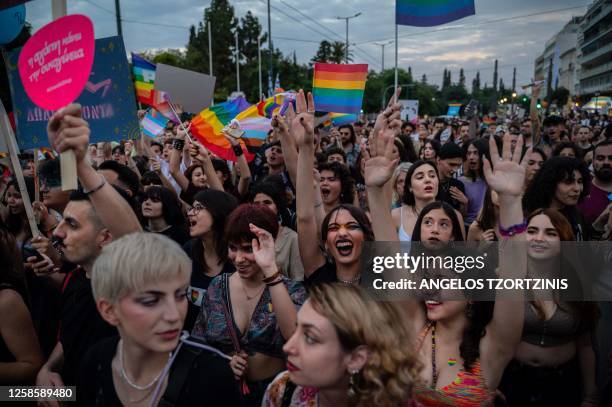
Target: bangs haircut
(237, 229)
(134, 261)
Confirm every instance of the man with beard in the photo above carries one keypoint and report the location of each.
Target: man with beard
(601, 185)
(93, 218)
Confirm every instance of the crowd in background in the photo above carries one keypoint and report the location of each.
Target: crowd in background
(260, 263)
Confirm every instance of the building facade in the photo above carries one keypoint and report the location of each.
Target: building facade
(595, 50)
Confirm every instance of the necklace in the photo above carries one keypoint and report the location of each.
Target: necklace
(125, 376)
(350, 281)
(434, 372)
(250, 297)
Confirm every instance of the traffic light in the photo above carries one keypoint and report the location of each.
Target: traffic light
(539, 105)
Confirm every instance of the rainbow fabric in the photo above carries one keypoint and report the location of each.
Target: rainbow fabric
(206, 127)
(339, 88)
(427, 13)
(144, 74)
(338, 119)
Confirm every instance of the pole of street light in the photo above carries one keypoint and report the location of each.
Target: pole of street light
(270, 91)
(118, 17)
(383, 52)
(237, 64)
(259, 63)
(346, 48)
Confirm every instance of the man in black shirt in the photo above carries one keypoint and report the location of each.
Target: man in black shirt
(452, 191)
(92, 219)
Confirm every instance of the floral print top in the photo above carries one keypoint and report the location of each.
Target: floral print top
(263, 335)
(300, 397)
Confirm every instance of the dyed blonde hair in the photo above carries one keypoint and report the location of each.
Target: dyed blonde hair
(402, 167)
(130, 263)
(387, 377)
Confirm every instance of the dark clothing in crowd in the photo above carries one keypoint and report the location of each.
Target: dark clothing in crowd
(198, 285)
(180, 234)
(81, 326)
(324, 274)
(209, 381)
(445, 195)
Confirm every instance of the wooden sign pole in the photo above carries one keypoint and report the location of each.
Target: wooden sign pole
(9, 138)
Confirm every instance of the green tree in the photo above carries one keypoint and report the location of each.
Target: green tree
(461, 78)
(495, 76)
(476, 83)
(560, 96)
(223, 26)
(324, 52)
(338, 53)
(424, 79)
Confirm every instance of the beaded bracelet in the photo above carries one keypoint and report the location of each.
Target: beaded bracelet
(178, 144)
(513, 230)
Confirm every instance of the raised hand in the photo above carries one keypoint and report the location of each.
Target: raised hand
(280, 126)
(302, 125)
(263, 250)
(233, 141)
(390, 117)
(67, 130)
(379, 167)
(506, 174)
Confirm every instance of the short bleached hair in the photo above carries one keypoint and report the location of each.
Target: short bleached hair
(130, 263)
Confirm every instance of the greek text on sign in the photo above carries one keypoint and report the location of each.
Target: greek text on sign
(55, 63)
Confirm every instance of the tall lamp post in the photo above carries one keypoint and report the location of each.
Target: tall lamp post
(346, 56)
(383, 45)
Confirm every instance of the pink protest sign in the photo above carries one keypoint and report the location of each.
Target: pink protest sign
(55, 63)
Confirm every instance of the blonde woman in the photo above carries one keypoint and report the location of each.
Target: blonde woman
(348, 350)
(398, 180)
(139, 284)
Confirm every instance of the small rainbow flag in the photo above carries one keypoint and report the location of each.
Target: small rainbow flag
(206, 127)
(428, 13)
(144, 73)
(338, 119)
(339, 88)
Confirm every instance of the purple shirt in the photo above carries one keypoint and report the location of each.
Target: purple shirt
(593, 205)
(475, 192)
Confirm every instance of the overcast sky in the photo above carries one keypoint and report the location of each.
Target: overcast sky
(472, 43)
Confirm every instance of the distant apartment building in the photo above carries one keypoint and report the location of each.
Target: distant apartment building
(560, 58)
(595, 49)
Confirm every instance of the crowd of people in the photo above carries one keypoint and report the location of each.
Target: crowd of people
(174, 277)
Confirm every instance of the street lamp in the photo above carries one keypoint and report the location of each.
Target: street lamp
(404, 86)
(383, 52)
(347, 37)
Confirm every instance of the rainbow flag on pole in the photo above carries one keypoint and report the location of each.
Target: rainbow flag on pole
(207, 125)
(339, 88)
(144, 73)
(428, 13)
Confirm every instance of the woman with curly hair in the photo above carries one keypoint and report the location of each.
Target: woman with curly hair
(337, 185)
(561, 183)
(347, 351)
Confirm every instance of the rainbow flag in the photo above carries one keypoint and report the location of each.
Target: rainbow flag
(144, 73)
(206, 127)
(338, 119)
(427, 13)
(339, 88)
(256, 121)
